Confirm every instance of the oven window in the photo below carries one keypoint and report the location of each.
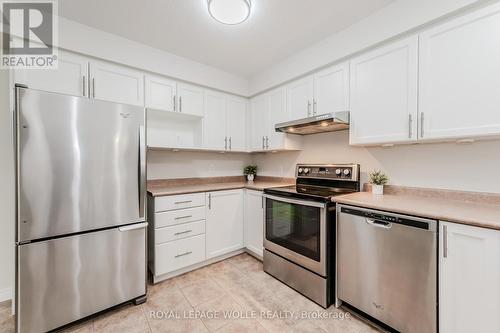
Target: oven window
(294, 227)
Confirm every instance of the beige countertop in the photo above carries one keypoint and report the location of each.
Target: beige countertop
(219, 184)
(441, 208)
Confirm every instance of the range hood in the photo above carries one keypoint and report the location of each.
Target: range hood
(328, 122)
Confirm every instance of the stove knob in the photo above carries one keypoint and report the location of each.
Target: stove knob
(306, 170)
(347, 172)
(338, 172)
(300, 170)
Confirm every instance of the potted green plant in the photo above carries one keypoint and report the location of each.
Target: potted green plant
(378, 179)
(250, 171)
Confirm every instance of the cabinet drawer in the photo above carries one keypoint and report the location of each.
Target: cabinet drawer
(179, 202)
(174, 217)
(181, 253)
(180, 231)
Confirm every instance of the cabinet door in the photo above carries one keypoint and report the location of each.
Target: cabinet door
(236, 115)
(224, 224)
(258, 118)
(460, 77)
(331, 89)
(300, 98)
(277, 114)
(254, 221)
(115, 83)
(214, 122)
(71, 76)
(190, 99)
(384, 94)
(160, 93)
(469, 275)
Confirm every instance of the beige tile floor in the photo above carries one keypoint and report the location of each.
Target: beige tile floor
(199, 301)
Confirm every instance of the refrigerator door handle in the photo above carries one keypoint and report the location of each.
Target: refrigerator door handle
(142, 171)
(133, 227)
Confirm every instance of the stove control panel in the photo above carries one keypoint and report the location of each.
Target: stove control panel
(328, 171)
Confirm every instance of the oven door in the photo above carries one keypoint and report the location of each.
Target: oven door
(296, 230)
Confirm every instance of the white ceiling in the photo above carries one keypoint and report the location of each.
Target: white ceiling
(275, 30)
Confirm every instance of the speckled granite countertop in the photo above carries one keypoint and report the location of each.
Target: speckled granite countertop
(476, 209)
(196, 185)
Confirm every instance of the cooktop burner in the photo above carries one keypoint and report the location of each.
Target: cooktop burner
(321, 182)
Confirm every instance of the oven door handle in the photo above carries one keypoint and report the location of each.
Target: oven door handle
(295, 201)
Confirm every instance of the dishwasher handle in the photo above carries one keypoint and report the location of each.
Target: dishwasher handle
(378, 224)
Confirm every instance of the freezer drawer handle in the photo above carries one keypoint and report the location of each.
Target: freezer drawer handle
(183, 254)
(183, 217)
(183, 202)
(183, 232)
(379, 224)
(133, 227)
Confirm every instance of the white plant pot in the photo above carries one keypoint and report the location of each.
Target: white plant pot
(377, 189)
(250, 178)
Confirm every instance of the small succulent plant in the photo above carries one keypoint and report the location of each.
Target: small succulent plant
(377, 177)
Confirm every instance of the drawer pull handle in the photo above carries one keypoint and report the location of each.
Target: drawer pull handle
(183, 254)
(183, 202)
(182, 232)
(183, 217)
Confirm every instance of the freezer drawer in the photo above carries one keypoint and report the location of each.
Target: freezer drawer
(65, 279)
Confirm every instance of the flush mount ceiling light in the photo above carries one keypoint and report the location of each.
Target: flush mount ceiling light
(229, 11)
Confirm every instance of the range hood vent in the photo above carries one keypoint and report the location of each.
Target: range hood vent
(328, 122)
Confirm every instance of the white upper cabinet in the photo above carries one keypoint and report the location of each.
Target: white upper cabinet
(236, 120)
(224, 223)
(460, 77)
(331, 89)
(300, 98)
(214, 122)
(383, 94)
(69, 78)
(277, 114)
(160, 93)
(190, 99)
(115, 83)
(469, 276)
(259, 107)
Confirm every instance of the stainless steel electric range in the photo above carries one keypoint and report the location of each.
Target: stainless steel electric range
(299, 228)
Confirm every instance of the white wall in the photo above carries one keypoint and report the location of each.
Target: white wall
(467, 167)
(6, 193)
(165, 164)
(89, 41)
(395, 19)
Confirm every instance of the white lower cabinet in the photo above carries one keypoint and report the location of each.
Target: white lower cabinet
(224, 227)
(254, 221)
(178, 254)
(469, 279)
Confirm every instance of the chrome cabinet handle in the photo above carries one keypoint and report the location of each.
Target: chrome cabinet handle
(410, 123)
(308, 108)
(314, 106)
(267, 142)
(182, 202)
(182, 232)
(175, 103)
(184, 254)
(421, 124)
(180, 103)
(445, 241)
(263, 143)
(230, 143)
(225, 143)
(84, 86)
(262, 202)
(209, 200)
(93, 87)
(183, 217)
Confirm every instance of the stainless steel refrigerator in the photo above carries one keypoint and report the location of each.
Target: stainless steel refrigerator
(81, 227)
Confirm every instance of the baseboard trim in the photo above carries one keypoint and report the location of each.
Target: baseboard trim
(5, 294)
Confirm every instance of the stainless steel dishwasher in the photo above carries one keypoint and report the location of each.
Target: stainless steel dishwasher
(387, 267)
